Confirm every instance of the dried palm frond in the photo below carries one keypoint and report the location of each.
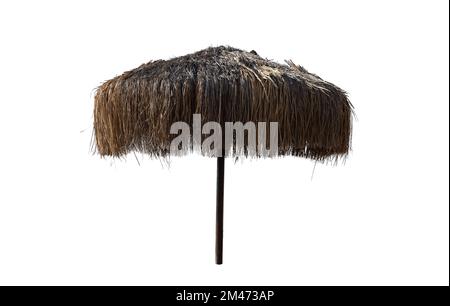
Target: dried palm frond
(134, 111)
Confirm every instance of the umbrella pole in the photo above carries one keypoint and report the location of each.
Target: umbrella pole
(219, 209)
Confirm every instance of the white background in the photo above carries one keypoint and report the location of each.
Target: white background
(69, 217)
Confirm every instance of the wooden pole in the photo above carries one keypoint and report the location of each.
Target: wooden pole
(219, 209)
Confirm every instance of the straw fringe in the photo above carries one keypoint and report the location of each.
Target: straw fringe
(134, 111)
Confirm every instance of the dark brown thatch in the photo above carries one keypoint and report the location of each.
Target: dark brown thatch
(134, 111)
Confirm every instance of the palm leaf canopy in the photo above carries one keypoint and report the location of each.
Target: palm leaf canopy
(135, 110)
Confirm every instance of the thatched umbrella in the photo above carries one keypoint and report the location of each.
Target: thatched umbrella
(134, 111)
